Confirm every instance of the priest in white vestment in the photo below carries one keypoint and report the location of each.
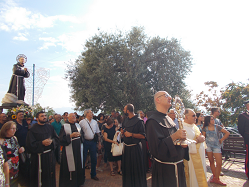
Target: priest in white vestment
(195, 168)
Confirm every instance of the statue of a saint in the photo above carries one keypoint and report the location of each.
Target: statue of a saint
(16, 88)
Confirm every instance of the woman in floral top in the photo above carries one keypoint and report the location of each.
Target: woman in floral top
(4, 167)
(12, 150)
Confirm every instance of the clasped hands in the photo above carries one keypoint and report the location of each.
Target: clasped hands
(200, 139)
(47, 142)
(75, 135)
(126, 133)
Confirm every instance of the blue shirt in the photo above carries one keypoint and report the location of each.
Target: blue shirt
(57, 127)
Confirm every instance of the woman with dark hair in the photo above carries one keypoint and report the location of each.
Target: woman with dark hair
(109, 133)
(101, 121)
(211, 133)
(12, 150)
(117, 124)
(120, 120)
(199, 120)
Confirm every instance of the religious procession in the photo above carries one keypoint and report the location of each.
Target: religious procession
(171, 144)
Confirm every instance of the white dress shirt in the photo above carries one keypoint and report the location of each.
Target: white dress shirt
(88, 133)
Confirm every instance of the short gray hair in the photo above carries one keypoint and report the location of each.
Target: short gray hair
(86, 111)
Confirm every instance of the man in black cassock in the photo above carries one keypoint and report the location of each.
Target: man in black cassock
(42, 139)
(71, 138)
(243, 127)
(16, 86)
(161, 132)
(132, 161)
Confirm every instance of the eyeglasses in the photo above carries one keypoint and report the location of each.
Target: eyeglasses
(166, 95)
(193, 116)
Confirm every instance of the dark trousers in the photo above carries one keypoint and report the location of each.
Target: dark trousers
(247, 162)
(92, 147)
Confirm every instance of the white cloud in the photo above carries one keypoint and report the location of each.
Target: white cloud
(13, 17)
(21, 37)
(50, 97)
(50, 39)
(58, 64)
(46, 45)
(72, 42)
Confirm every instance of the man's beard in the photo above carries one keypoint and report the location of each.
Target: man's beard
(42, 121)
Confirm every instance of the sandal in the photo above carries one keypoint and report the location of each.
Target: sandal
(112, 173)
(120, 172)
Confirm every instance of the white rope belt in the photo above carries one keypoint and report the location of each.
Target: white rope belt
(172, 163)
(75, 138)
(129, 144)
(47, 151)
(18, 75)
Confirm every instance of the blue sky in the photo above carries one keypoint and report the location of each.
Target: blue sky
(52, 33)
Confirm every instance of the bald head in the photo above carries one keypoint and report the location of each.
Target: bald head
(57, 117)
(190, 116)
(71, 118)
(162, 101)
(158, 94)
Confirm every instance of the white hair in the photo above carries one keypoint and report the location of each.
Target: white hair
(86, 111)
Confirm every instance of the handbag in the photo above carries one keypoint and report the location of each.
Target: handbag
(117, 150)
(95, 137)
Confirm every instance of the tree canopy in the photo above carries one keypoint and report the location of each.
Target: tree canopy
(230, 100)
(212, 98)
(119, 68)
(48, 110)
(234, 95)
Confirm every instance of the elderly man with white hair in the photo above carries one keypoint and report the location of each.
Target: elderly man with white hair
(72, 168)
(90, 128)
(195, 168)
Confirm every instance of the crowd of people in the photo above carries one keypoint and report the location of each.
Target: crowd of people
(172, 150)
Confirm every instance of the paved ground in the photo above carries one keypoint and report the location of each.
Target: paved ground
(234, 176)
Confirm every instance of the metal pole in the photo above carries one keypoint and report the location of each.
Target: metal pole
(33, 94)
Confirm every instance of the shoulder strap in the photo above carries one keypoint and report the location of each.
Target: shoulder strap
(89, 126)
